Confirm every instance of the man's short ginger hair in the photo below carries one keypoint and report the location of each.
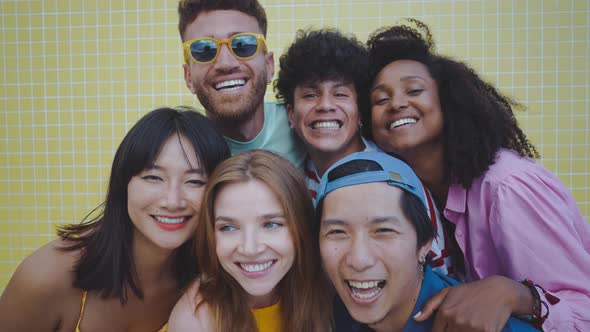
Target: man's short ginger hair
(188, 10)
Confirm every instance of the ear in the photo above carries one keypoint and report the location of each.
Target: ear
(423, 251)
(291, 115)
(270, 66)
(187, 77)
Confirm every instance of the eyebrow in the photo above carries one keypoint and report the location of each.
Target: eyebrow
(198, 171)
(402, 79)
(263, 217)
(382, 220)
(409, 78)
(374, 221)
(273, 215)
(315, 84)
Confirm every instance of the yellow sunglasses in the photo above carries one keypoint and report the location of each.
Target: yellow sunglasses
(242, 46)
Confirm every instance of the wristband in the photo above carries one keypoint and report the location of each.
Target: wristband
(536, 318)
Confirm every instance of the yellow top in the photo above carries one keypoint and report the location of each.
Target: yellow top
(163, 329)
(268, 319)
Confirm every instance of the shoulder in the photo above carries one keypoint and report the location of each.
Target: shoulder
(48, 269)
(370, 145)
(274, 106)
(275, 114)
(510, 170)
(40, 288)
(507, 163)
(186, 316)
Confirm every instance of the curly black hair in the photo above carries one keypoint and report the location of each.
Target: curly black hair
(321, 55)
(478, 119)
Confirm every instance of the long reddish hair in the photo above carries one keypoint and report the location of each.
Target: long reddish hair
(303, 291)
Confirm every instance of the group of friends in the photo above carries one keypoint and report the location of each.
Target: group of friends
(318, 212)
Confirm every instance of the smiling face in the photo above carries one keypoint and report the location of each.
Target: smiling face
(164, 200)
(228, 88)
(325, 115)
(405, 109)
(254, 244)
(368, 248)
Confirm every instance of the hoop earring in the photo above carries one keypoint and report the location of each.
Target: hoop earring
(422, 262)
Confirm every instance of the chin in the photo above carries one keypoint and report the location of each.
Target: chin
(366, 317)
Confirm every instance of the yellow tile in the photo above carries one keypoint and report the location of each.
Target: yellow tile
(580, 167)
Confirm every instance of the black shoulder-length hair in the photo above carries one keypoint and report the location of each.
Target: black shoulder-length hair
(478, 119)
(106, 263)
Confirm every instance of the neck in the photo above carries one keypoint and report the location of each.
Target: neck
(396, 319)
(154, 266)
(430, 167)
(322, 161)
(240, 129)
(257, 302)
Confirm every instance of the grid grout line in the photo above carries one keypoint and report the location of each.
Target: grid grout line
(76, 75)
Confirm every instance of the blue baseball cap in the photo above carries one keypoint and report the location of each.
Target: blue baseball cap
(392, 171)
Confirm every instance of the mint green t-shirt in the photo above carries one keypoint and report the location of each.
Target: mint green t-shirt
(275, 136)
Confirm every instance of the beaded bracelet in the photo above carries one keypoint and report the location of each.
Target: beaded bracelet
(536, 318)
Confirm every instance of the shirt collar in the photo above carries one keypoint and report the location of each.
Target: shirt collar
(431, 285)
(456, 198)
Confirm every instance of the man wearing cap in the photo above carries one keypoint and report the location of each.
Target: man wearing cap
(374, 238)
(227, 66)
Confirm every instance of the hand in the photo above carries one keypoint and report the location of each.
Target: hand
(483, 305)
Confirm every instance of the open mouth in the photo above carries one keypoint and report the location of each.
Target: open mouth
(402, 122)
(231, 85)
(260, 267)
(332, 124)
(365, 290)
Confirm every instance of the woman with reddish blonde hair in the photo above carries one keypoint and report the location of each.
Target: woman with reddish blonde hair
(259, 263)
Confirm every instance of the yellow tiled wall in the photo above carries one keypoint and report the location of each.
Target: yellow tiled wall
(76, 74)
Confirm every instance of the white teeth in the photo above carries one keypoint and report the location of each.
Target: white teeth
(365, 289)
(326, 124)
(364, 284)
(170, 220)
(230, 85)
(256, 267)
(402, 122)
(365, 296)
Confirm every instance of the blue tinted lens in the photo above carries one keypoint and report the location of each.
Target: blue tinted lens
(203, 50)
(244, 46)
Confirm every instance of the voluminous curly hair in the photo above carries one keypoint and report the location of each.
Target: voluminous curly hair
(188, 10)
(478, 119)
(322, 55)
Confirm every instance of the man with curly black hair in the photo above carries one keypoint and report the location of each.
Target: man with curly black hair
(323, 79)
(227, 66)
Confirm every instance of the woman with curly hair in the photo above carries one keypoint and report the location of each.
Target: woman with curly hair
(260, 268)
(512, 219)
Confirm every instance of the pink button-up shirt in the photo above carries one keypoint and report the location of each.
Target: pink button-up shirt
(520, 221)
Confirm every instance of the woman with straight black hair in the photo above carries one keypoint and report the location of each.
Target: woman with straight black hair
(124, 269)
